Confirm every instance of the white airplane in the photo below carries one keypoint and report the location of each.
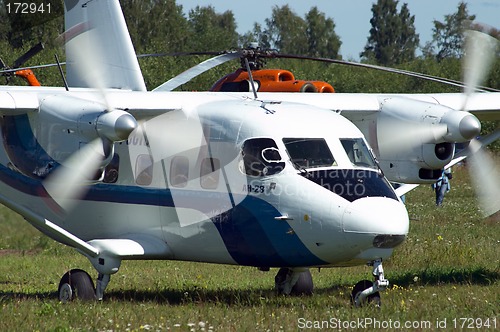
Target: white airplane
(270, 180)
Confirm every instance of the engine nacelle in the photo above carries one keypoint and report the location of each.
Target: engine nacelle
(64, 123)
(414, 140)
(422, 165)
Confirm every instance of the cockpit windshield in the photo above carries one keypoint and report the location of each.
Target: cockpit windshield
(309, 152)
(358, 152)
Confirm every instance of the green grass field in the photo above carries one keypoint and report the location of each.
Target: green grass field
(445, 276)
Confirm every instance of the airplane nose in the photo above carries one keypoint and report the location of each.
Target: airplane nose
(385, 219)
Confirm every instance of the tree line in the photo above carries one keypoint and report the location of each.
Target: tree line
(161, 26)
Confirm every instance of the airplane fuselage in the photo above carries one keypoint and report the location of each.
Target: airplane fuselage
(239, 181)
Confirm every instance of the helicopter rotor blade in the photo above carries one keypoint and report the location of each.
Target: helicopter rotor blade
(13, 70)
(28, 55)
(386, 69)
(193, 72)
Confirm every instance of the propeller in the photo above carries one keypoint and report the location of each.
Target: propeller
(480, 49)
(107, 125)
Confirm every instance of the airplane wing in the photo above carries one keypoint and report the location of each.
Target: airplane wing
(22, 100)
(130, 246)
(485, 106)
(16, 103)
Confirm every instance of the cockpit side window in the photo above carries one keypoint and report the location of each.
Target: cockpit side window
(309, 152)
(261, 157)
(358, 152)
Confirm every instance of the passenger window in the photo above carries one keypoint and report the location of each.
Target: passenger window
(261, 157)
(209, 173)
(309, 152)
(179, 171)
(143, 170)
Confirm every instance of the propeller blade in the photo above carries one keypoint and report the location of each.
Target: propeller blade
(480, 49)
(69, 181)
(173, 133)
(199, 69)
(399, 131)
(485, 175)
(87, 68)
(399, 136)
(84, 49)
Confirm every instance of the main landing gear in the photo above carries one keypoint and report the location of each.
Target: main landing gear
(294, 281)
(77, 284)
(367, 292)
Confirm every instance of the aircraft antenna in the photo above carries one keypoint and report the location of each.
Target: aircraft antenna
(61, 72)
(252, 83)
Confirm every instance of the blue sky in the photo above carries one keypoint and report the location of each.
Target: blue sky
(351, 17)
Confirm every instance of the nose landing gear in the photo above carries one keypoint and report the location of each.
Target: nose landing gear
(366, 291)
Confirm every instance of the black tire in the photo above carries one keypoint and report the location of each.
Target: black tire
(373, 299)
(76, 284)
(304, 285)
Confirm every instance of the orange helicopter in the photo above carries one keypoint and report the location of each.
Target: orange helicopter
(252, 69)
(269, 80)
(266, 80)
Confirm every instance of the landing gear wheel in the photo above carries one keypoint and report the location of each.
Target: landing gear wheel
(373, 299)
(76, 284)
(303, 286)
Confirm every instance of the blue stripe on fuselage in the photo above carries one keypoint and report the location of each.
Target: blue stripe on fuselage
(249, 231)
